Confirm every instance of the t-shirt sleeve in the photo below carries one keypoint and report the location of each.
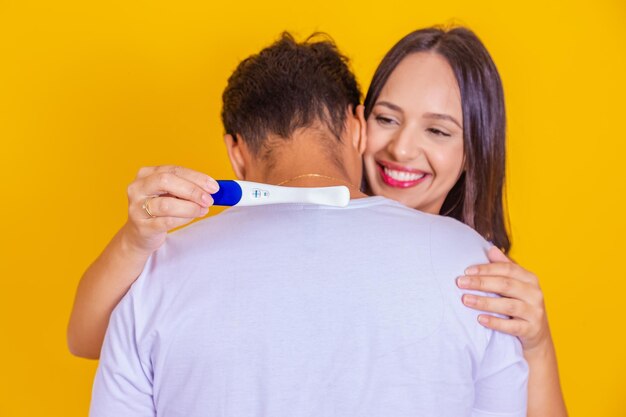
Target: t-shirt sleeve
(501, 383)
(123, 383)
(501, 372)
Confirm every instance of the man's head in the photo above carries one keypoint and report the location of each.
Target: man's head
(288, 91)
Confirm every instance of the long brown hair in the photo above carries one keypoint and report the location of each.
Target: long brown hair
(476, 198)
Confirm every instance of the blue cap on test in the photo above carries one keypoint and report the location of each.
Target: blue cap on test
(229, 193)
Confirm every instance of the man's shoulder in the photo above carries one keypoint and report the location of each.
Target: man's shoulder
(443, 230)
(443, 227)
(455, 246)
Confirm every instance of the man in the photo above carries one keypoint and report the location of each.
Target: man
(303, 310)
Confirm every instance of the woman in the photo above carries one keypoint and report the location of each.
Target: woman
(436, 133)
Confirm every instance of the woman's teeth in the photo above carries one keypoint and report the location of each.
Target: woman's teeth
(402, 175)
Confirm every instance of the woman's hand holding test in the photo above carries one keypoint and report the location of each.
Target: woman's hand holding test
(163, 198)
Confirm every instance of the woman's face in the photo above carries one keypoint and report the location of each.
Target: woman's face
(414, 151)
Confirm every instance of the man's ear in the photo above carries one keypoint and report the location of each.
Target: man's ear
(236, 154)
(359, 135)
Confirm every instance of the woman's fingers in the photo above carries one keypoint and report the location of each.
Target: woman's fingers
(496, 255)
(203, 181)
(160, 183)
(499, 305)
(522, 298)
(515, 327)
(162, 198)
(198, 178)
(145, 171)
(173, 207)
(505, 286)
(529, 293)
(505, 269)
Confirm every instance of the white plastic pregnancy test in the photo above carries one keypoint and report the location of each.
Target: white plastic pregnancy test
(247, 193)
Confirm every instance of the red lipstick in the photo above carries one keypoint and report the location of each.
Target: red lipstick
(399, 176)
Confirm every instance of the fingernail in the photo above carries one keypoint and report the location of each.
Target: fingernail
(462, 281)
(206, 199)
(469, 300)
(212, 186)
(472, 270)
(483, 319)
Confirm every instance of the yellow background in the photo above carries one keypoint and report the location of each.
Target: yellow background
(91, 91)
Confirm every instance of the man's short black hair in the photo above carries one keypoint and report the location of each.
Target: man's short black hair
(289, 86)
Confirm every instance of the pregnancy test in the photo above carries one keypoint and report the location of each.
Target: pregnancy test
(247, 193)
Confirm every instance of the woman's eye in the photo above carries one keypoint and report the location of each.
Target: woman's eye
(437, 132)
(385, 120)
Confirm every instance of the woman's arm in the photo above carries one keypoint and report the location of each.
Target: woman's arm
(522, 300)
(159, 199)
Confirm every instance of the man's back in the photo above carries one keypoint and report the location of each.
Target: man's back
(300, 310)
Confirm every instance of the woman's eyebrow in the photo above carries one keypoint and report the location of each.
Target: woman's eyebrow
(389, 105)
(441, 116)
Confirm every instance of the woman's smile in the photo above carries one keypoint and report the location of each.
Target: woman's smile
(400, 176)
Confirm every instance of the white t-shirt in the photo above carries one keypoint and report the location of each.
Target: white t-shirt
(302, 310)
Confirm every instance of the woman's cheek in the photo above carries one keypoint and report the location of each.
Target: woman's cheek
(376, 139)
(447, 162)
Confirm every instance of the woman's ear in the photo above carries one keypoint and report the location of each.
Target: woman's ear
(236, 154)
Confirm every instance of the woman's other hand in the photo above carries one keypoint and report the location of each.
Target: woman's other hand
(162, 198)
(522, 299)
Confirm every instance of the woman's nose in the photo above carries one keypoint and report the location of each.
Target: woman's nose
(404, 147)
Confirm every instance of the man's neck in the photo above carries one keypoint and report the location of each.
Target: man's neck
(298, 164)
(312, 175)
